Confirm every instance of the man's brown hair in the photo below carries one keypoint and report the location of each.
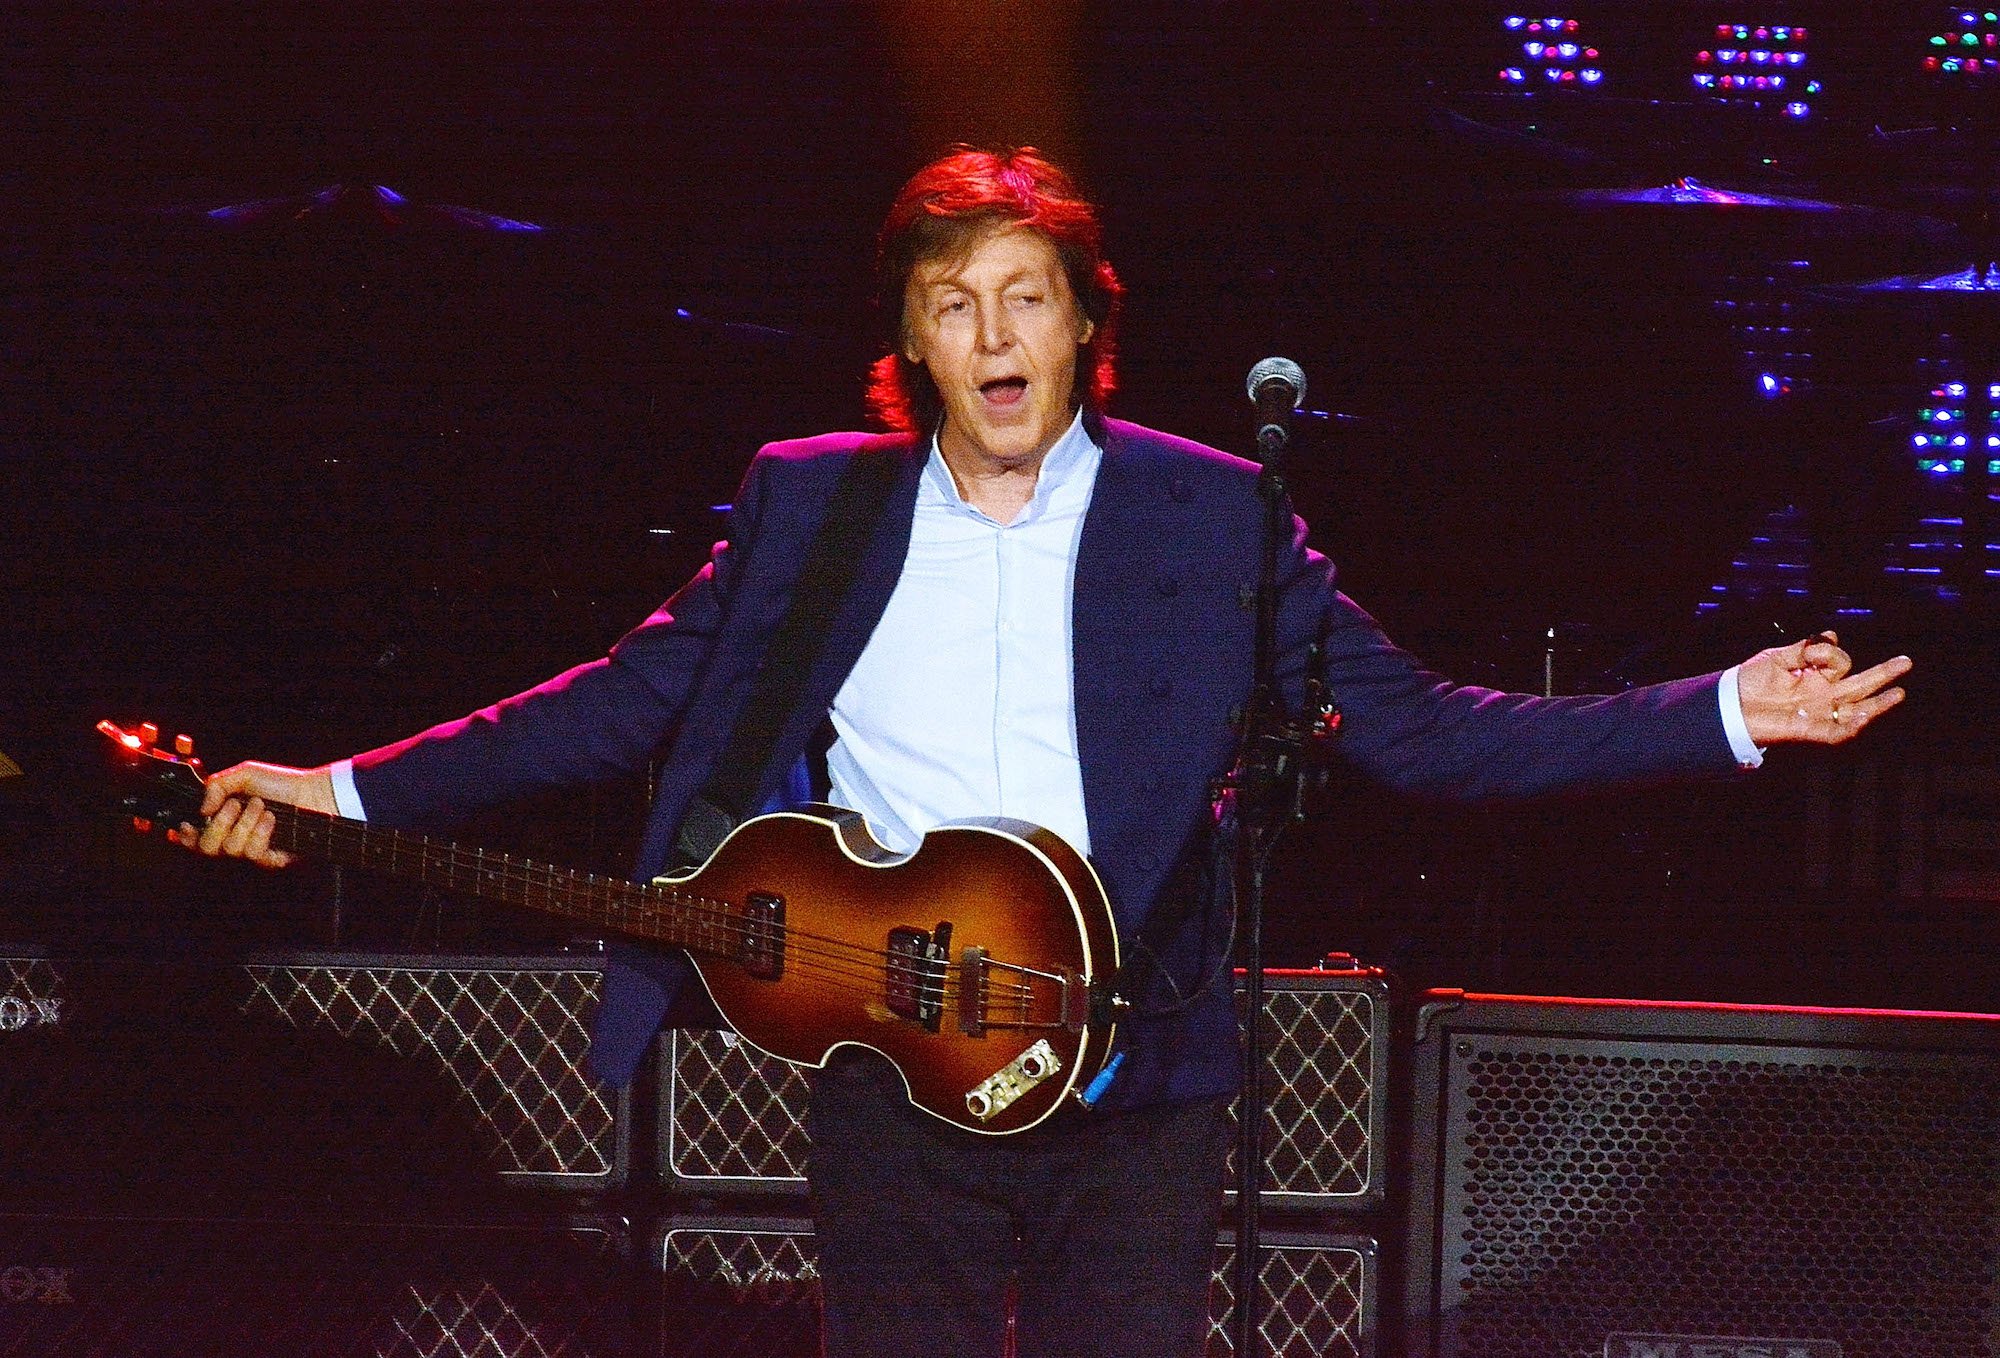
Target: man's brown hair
(941, 213)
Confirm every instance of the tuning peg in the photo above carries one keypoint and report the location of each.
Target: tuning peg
(149, 734)
(183, 745)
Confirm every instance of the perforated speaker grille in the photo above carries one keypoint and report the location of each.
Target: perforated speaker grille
(509, 1036)
(1595, 1187)
(122, 1288)
(734, 1118)
(749, 1288)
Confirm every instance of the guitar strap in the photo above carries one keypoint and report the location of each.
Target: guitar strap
(854, 512)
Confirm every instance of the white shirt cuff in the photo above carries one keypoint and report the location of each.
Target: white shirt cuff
(347, 800)
(1745, 749)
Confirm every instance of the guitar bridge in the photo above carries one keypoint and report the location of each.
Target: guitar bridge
(762, 952)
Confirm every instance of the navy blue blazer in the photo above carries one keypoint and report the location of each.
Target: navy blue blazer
(1161, 657)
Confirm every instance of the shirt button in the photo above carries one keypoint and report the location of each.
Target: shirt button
(1168, 586)
(1161, 687)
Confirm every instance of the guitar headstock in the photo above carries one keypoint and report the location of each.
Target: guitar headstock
(155, 784)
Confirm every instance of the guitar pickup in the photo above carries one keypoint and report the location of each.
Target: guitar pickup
(762, 951)
(917, 964)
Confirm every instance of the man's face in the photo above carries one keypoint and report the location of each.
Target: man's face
(998, 330)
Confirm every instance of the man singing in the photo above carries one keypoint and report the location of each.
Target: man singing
(1042, 622)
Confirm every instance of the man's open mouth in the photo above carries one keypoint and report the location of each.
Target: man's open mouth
(1004, 391)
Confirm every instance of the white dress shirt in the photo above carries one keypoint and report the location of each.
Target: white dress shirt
(962, 704)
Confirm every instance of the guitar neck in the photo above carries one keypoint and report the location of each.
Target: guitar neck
(659, 912)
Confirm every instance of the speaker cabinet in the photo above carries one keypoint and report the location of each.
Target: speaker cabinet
(1606, 1179)
(123, 1287)
(732, 1119)
(747, 1287)
(507, 1035)
(1325, 1036)
(393, 1083)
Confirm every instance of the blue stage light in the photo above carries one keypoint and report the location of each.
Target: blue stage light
(1551, 49)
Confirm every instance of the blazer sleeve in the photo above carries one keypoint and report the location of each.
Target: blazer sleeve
(594, 722)
(1418, 731)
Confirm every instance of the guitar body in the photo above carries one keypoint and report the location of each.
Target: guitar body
(1029, 929)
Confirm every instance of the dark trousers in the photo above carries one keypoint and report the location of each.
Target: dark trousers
(1102, 1226)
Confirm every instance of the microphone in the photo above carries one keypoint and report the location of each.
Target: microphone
(1277, 387)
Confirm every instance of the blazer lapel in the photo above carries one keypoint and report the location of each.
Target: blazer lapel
(868, 598)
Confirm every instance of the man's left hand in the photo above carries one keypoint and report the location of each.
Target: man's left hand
(1805, 692)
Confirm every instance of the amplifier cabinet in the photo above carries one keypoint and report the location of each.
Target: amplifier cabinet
(390, 1083)
(123, 1287)
(1318, 1295)
(1325, 1036)
(732, 1118)
(31, 991)
(1595, 1178)
(748, 1287)
(507, 1035)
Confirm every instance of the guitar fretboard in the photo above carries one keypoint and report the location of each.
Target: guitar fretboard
(668, 914)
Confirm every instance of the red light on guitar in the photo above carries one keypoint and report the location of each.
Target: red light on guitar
(119, 734)
(142, 825)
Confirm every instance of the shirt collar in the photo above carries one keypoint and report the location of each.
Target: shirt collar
(1072, 458)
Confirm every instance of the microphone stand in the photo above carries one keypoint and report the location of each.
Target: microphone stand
(1278, 755)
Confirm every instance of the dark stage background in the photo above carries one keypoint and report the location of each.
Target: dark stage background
(309, 473)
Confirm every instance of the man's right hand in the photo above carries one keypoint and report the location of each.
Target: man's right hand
(238, 824)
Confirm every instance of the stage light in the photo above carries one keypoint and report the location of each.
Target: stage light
(1766, 46)
(1975, 31)
(1550, 47)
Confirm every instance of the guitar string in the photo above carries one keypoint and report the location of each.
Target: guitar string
(837, 958)
(488, 870)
